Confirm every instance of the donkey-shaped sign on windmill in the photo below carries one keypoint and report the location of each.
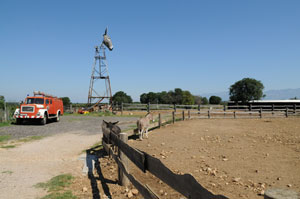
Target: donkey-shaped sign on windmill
(107, 41)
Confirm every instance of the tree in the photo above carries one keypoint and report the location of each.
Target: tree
(204, 100)
(144, 98)
(66, 101)
(197, 99)
(120, 97)
(215, 100)
(2, 100)
(246, 90)
(187, 98)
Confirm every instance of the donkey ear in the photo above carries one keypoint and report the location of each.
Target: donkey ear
(105, 33)
(115, 122)
(105, 122)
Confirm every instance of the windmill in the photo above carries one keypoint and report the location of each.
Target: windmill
(100, 90)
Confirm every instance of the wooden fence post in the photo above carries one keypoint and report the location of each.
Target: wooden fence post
(250, 107)
(122, 108)
(234, 114)
(272, 107)
(183, 115)
(123, 180)
(295, 108)
(173, 117)
(189, 114)
(159, 120)
(5, 112)
(174, 107)
(286, 112)
(260, 112)
(148, 107)
(208, 114)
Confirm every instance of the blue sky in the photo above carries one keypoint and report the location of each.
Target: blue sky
(201, 46)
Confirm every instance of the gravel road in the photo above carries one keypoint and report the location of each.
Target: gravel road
(87, 125)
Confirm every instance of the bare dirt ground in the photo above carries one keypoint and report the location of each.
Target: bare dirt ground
(23, 167)
(236, 158)
(57, 153)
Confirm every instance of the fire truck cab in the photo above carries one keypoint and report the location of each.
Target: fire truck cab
(40, 107)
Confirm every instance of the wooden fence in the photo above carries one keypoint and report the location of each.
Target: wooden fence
(185, 184)
(154, 107)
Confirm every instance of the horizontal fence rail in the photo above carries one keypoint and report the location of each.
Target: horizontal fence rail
(185, 184)
(155, 107)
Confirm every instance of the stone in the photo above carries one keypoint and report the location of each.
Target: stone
(135, 191)
(84, 189)
(289, 185)
(236, 179)
(129, 194)
(275, 193)
(161, 192)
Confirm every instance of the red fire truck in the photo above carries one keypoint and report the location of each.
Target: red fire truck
(40, 107)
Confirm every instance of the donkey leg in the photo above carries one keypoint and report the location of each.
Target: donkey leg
(147, 132)
(141, 134)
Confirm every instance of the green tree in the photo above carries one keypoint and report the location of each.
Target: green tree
(144, 98)
(187, 98)
(215, 100)
(120, 97)
(246, 90)
(66, 101)
(204, 100)
(2, 100)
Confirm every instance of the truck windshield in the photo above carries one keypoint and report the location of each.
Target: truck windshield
(35, 101)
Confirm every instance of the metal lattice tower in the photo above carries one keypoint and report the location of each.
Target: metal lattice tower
(99, 72)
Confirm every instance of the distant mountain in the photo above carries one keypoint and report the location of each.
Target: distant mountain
(282, 94)
(270, 94)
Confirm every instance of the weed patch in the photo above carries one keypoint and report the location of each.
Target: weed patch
(4, 124)
(56, 183)
(31, 138)
(8, 146)
(4, 138)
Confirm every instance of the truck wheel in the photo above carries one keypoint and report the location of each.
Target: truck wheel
(57, 119)
(44, 120)
(19, 121)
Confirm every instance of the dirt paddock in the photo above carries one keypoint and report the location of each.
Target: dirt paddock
(237, 158)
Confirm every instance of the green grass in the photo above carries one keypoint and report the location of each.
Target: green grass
(4, 138)
(64, 195)
(56, 183)
(7, 172)
(57, 186)
(4, 124)
(31, 138)
(8, 146)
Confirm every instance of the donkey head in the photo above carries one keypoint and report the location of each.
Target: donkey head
(149, 116)
(107, 41)
(110, 126)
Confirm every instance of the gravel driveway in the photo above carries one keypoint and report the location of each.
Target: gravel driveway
(87, 125)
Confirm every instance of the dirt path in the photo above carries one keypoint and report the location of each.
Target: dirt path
(23, 167)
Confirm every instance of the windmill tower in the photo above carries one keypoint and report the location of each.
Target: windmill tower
(100, 90)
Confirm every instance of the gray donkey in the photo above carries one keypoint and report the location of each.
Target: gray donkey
(143, 124)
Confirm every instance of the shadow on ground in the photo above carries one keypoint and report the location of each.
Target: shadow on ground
(93, 158)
